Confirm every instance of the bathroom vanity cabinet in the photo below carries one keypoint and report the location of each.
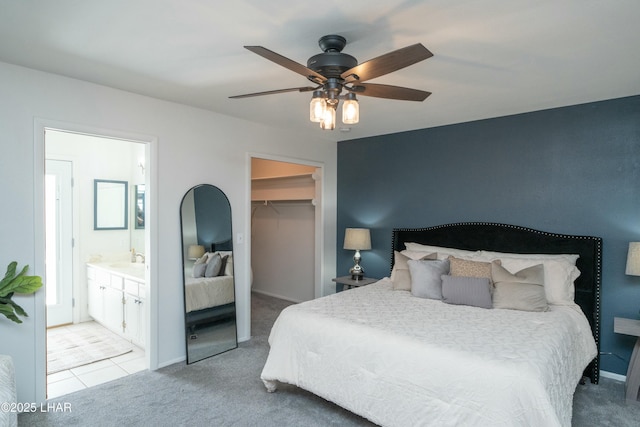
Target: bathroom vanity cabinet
(116, 300)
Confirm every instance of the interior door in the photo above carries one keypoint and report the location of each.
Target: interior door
(58, 242)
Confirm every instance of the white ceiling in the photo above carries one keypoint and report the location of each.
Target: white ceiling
(491, 57)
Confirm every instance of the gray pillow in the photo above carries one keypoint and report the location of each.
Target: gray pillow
(400, 276)
(199, 269)
(213, 266)
(523, 290)
(426, 276)
(461, 290)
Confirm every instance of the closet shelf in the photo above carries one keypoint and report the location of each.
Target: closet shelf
(286, 200)
(284, 177)
(287, 188)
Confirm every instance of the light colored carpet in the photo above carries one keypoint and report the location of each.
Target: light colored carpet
(80, 344)
(226, 390)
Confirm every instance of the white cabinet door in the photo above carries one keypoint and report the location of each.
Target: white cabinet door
(134, 319)
(113, 309)
(95, 301)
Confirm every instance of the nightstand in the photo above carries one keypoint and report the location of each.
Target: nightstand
(630, 327)
(348, 283)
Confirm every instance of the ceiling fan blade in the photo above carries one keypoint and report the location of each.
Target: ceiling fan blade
(387, 63)
(288, 63)
(389, 92)
(272, 92)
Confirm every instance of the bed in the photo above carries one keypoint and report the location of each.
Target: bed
(396, 359)
(209, 299)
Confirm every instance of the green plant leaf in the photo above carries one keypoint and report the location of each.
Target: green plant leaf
(20, 283)
(9, 275)
(7, 310)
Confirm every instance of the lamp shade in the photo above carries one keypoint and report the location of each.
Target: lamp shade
(633, 259)
(195, 251)
(357, 239)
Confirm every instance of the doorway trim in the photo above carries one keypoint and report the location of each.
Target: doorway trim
(319, 224)
(151, 237)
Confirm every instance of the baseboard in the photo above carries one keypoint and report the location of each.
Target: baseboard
(613, 376)
(269, 294)
(171, 362)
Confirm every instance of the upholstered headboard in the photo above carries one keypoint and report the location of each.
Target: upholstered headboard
(516, 239)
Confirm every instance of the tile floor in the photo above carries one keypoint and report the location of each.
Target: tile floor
(65, 382)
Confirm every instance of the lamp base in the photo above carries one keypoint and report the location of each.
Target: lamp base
(357, 273)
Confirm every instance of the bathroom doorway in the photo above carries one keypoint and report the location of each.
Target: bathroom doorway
(92, 271)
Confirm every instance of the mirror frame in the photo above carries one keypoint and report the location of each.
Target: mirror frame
(103, 204)
(215, 314)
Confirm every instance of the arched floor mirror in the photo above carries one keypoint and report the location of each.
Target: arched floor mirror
(209, 288)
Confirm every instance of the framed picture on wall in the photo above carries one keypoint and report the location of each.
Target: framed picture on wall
(110, 200)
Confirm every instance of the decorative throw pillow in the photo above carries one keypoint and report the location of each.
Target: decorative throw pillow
(200, 266)
(560, 272)
(228, 268)
(467, 268)
(400, 276)
(523, 290)
(426, 281)
(213, 266)
(223, 265)
(460, 290)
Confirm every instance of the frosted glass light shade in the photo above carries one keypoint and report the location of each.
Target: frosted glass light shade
(350, 111)
(317, 107)
(633, 259)
(329, 119)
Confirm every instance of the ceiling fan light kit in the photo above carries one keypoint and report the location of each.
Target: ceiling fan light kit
(333, 71)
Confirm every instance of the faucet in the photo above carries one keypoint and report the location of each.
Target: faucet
(139, 255)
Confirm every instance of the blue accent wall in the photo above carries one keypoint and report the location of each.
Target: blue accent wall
(571, 170)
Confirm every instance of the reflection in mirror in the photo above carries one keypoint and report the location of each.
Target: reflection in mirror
(139, 206)
(110, 204)
(207, 256)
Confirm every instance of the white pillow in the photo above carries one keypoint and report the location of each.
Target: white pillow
(443, 252)
(559, 272)
(228, 268)
(572, 258)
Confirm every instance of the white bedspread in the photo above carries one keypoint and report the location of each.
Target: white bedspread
(205, 292)
(399, 360)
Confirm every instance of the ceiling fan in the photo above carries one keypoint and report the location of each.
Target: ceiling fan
(333, 71)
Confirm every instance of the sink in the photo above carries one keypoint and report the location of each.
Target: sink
(129, 268)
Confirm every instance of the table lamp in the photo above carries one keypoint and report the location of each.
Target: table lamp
(195, 251)
(358, 239)
(633, 259)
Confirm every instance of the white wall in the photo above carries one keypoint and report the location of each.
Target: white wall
(282, 249)
(188, 146)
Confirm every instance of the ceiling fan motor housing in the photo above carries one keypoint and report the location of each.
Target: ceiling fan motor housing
(331, 64)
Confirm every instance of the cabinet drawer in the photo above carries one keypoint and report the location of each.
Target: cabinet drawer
(116, 282)
(102, 277)
(142, 290)
(91, 273)
(131, 287)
